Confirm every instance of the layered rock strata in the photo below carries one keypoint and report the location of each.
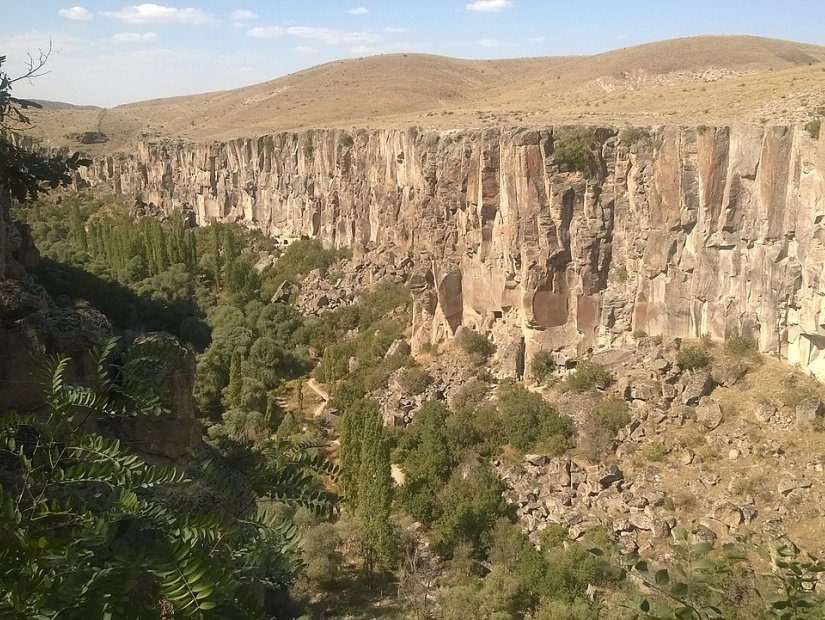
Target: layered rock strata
(681, 233)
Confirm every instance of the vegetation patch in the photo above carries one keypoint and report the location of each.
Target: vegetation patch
(542, 366)
(588, 375)
(574, 152)
(692, 357)
(477, 346)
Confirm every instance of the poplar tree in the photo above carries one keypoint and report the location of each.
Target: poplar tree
(235, 387)
(373, 508)
(352, 430)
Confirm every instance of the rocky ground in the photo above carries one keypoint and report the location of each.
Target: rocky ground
(732, 450)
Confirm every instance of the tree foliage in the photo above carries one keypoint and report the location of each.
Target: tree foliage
(25, 174)
(90, 530)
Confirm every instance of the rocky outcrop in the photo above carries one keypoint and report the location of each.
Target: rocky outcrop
(679, 234)
(33, 326)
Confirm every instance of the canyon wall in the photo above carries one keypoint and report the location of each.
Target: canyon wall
(680, 233)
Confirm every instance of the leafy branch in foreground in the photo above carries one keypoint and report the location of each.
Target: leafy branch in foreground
(692, 585)
(88, 529)
(23, 173)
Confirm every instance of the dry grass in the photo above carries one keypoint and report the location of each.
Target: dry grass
(700, 80)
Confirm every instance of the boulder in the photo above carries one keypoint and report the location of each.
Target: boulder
(709, 414)
(728, 372)
(696, 384)
(807, 412)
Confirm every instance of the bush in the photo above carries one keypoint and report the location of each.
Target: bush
(414, 380)
(813, 128)
(631, 135)
(477, 346)
(320, 553)
(612, 414)
(589, 376)
(542, 366)
(470, 396)
(798, 389)
(554, 535)
(654, 452)
(471, 503)
(529, 420)
(346, 140)
(738, 345)
(574, 152)
(601, 426)
(692, 357)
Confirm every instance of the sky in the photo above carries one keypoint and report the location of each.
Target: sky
(109, 53)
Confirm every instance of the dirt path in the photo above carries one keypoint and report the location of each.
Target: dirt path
(322, 394)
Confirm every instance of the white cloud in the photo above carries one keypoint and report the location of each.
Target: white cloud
(489, 6)
(134, 37)
(156, 14)
(332, 36)
(396, 30)
(328, 36)
(537, 39)
(358, 10)
(241, 16)
(265, 32)
(76, 13)
(304, 49)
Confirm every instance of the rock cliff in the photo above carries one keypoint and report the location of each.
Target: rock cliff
(679, 233)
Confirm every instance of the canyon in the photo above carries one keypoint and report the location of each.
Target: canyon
(680, 232)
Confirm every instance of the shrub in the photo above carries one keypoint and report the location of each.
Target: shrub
(414, 380)
(554, 535)
(347, 140)
(655, 452)
(813, 128)
(631, 135)
(542, 366)
(691, 357)
(308, 150)
(574, 153)
(471, 503)
(477, 346)
(320, 553)
(429, 348)
(470, 396)
(589, 376)
(600, 428)
(797, 390)
(739, 345)
(528, 420)
(612, 414)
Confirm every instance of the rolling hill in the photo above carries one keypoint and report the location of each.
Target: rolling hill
(698, 80)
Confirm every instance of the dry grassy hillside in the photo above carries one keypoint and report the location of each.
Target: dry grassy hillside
(700, 80)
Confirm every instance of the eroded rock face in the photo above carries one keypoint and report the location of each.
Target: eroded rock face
(684, 233)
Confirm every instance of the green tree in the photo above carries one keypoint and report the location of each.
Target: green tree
(374, 499)
(427, 461)
(471, 503)
(351, 438)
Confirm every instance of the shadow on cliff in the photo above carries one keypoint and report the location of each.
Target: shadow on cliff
(126, 309)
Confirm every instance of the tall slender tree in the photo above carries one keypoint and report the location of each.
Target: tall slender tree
(373, 509)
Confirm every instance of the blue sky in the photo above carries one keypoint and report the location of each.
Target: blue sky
(107, 53)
